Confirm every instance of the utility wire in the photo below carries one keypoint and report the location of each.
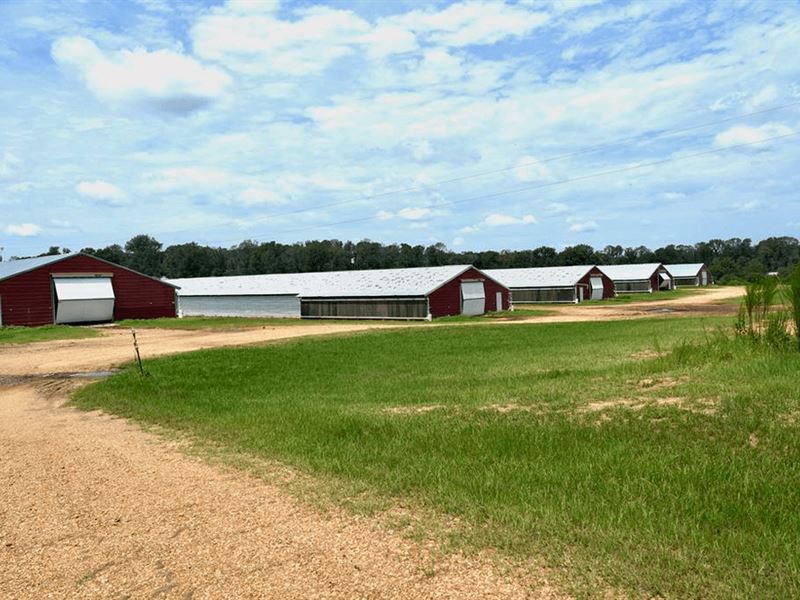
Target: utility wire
(561, 181)
(588, 150)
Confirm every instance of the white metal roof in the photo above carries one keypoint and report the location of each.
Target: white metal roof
(685, 269)
(631, 272)
(540, 277)
(10, 268)
(419, 281)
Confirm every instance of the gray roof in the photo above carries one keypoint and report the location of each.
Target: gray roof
(540, 277)
(685, 269)
(10, 268)
(419, 281)
(631, 272)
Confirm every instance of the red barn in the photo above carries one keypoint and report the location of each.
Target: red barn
(414, 293)
(78, 288)
(555, 284)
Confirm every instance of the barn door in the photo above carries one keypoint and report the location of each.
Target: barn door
(473, 298)
(498, 302)
(665, 281)
(597, 287)
(703, 277)
(84, 299)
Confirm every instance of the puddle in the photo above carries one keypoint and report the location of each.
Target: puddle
(91, 374)
(10, 380)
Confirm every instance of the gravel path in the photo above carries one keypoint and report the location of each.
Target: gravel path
(93, 507)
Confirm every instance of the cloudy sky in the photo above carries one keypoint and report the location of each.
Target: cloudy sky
(479, 124)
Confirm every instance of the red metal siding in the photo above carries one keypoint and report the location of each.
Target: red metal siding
(27, 298)
(447, 299)
(608, 284)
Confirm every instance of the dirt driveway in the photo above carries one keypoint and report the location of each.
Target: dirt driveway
(115, 346)
(706, 302)
(93, 507)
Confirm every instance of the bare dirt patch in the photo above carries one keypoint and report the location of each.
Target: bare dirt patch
(657, 383)
(703, 405)
(412, 409)
(510, 407)
(648, 355)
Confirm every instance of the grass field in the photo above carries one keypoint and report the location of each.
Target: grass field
(46, 333)
(191, 323)
(623, 454)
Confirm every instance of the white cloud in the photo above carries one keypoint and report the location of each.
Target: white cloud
(421, 150)
(264, 43)
(22, 186)
(458, 241)
(745, 134)
(469, 229)
(413, 214)
(163, 79)
(103, 191)
(556, 208)
(500, 220)
(530, 169)
(583, 226)
(23, 230)
(766, 96)
(9, 164)
(188, 179)
(673, 196)
(472, 22)
(748, 205)
(260, 195)
(384, 215)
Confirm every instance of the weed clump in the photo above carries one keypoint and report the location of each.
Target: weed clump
(762, 318)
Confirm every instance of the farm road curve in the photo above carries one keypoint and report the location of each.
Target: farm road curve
(91, 506)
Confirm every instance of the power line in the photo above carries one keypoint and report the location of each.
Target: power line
(560, 182)
(662, 133)
(588, 150)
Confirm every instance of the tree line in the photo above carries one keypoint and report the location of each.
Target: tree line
(730, 261)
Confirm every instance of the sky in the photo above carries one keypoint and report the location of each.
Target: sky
(480, 124)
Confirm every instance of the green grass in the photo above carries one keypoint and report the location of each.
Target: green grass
(191, 323)
(46, 333)
(693, 497)
(505, 315)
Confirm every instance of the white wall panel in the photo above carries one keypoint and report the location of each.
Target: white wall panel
(239, 306)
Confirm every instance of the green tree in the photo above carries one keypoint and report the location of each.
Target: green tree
(144, 255)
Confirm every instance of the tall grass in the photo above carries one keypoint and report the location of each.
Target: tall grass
(759, 320)
(792, 295)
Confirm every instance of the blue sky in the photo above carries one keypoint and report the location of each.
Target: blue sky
(479, 124)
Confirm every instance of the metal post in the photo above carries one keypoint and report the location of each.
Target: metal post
(136, 350)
